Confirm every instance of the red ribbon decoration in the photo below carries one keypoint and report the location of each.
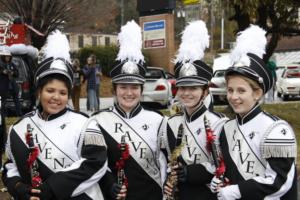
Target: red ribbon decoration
(36, 180)
(32, 156)
(210, 138)
(120, 164)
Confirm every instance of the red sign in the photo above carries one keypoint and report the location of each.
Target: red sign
(16, 34)
(154, 43)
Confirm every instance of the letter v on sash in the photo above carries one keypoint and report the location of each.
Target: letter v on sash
(136, 147)
(42, 148)
(241, 157)
(191, 152)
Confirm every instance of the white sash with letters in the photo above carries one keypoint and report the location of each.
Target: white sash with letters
(193, 152)
(247, 162)
(49, 152)
(139, 150)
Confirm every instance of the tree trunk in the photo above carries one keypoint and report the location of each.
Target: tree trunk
(271, 46)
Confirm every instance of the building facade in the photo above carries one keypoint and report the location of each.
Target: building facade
(80, 40)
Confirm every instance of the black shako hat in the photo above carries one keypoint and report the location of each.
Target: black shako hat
(51, 66)
(196, 73)
(246, 57)
(129, 67)
(257, 71)
(189, 69)
(56, 58)
(128, 72)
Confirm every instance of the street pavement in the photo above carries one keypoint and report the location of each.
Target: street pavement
(104, 103)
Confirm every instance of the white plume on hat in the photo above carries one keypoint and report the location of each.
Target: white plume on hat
(57, 46)
(130, 40)
(251, 40)
(194, 41)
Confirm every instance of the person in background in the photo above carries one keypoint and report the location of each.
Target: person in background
(8, 75)
(60, 159)
(259, 149)
(99, 75)
(3, 134)
(91, 74)
(77, 84)
(193, 168)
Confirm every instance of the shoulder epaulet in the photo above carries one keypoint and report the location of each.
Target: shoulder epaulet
(109, 109)
(230, 120)
(273, 117)
(218, 114)
(29, 114)
(78, 112)
(153, 110)
(176, 115)
(279, 141)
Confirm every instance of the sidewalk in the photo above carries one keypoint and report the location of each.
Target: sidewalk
(104, 103)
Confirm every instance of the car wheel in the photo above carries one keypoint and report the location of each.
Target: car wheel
(216, 99)
(285, 97)
(278, 94)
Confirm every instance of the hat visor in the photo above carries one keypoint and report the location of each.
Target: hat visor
(245, 73)
(186, 83)
(52, 72)
(128, 81)
(241, 71)
(189, 81)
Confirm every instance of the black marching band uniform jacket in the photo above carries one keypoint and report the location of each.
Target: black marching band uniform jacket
(194, 154)
(260, 154)
(142, 169)
(70, 161)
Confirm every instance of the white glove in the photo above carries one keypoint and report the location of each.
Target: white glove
(215, 184)
(231, 192)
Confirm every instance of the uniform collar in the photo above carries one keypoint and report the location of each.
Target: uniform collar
(250, 115)
(131, 114)
(51, 117)
(197, 113)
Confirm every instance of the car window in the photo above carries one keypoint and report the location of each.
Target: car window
(292, 73)
(21, 68)
(169, 75)
(153, 73)
(219, 73)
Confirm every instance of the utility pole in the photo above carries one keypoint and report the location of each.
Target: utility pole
(212, 24)
(222, 28)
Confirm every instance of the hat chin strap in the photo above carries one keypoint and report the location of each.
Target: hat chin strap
(200, 102)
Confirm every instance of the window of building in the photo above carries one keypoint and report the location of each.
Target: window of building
(94, 41)
(107, 41)
(80, 41)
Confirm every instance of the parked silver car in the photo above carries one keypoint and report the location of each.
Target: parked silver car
(157, 88)
(217, 86)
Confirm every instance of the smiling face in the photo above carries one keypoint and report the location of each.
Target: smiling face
(128, 95)
(191, 96)
(242, 94)
(53, 96)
